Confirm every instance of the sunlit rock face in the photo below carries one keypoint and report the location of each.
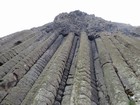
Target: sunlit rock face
(78, 59)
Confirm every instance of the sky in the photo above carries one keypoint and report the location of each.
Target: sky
(17, 15)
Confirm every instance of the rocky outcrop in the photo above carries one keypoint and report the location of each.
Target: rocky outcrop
(78, 59)
(77, 21)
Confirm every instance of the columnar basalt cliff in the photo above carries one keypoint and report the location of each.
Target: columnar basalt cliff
(78, 59)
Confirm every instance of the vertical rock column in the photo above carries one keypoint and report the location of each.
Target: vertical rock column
(115, 89)
(102, 90)
(83, 87)
(50, 83)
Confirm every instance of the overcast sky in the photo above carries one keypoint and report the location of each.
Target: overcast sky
(16, 15)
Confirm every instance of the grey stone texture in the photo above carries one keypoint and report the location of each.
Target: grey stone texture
(78, 59)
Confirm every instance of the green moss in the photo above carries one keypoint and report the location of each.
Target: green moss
(131, 102)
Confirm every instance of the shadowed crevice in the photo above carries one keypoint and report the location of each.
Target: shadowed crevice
(1, 63)
(17, 43)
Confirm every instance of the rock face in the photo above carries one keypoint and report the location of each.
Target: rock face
(77, 21)
(78, 59)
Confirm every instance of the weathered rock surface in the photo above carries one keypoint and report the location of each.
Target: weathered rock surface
(78, 59)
